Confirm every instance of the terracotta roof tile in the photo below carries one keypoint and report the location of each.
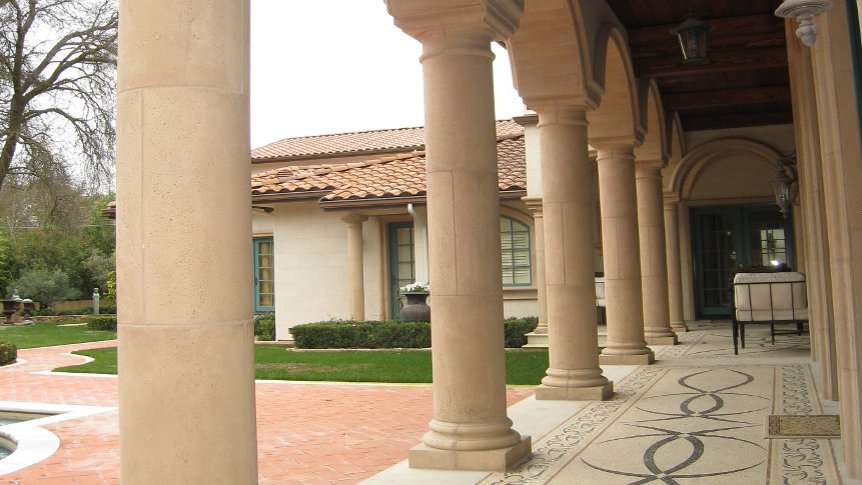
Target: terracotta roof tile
(401, 175)
(371, 142)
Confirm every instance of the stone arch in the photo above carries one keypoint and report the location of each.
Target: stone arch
(695, 162)
(550, 55)
(656, 144)
(676, 148)
(619, 114)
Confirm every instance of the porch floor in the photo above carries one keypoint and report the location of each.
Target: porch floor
(694, 417)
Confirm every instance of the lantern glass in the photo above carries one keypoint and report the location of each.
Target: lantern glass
(782, 185)
(692, 36)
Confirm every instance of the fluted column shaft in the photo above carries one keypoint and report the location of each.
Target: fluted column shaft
(674, 268)
(535, 206)
(653, 254)
(621, 256)
(186, 356)
(355, 270)
(574, 371)
(470, 428)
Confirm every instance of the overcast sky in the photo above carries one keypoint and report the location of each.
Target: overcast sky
(334, 66)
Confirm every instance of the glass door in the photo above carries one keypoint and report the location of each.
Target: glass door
(725, 238)
(264, 275)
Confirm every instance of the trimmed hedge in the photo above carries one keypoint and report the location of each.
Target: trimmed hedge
(264, 326)
(102, 323)
(8, 353)
(349, 334)
(516, 330)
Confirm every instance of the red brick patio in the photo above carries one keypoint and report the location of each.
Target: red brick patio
(307, 433)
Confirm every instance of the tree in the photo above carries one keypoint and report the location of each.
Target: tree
(59, 92)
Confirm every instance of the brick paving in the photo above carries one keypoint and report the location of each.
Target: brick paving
(307, 433)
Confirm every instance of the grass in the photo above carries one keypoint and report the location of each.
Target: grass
(50, 334)
(274, 362)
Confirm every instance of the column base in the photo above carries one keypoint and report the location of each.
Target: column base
(661, 340)
(537, 340)
(423, 456)
(595, 393)
(636, 359)
(678, 327)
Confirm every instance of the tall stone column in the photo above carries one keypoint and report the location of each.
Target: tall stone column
(674, 268)
(355, 273)
(651, 233)
(574, 371)
(621, 256)
(470, 429)
(186, 357)
(535, 206)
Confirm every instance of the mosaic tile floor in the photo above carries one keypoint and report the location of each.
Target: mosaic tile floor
(695, 417)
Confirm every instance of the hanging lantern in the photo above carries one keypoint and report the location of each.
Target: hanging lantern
(692, 36)
(786, 189)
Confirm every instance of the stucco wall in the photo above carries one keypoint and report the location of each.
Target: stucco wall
(311, 264)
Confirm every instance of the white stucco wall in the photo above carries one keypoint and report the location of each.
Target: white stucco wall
(311, 264)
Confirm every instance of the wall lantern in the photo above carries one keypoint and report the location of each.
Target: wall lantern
(804, 12)
(692, 39)
(786, 184)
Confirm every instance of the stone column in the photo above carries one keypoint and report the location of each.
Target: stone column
(535, 206)
(621, 256)
(355, 273)
(654, 280)
(186, 357)
(674, 269)
(470, 429)
(574, 371)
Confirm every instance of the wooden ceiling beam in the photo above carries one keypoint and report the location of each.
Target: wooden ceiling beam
(698, 123)
(726, 97)
(724, 30)
(720, 61)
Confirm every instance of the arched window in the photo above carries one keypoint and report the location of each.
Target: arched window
(515, 251)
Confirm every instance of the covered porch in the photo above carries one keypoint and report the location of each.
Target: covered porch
(588, 71)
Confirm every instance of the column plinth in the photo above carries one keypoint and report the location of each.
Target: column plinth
(470, 429)
(674, 271)
(567, 208)
(621, 256)
(355, 267)
(657, 329)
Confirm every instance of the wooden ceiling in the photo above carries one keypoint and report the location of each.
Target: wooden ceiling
(746, 82)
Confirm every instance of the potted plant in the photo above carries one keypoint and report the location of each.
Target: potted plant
(416, 309)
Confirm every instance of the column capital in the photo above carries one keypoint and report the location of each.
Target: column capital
(585, 100)
(648, 169)
(613, 143)
(354, 218)
(647, 164)
(671, 199)
(562, 115)
(426, 21)
(534, 203)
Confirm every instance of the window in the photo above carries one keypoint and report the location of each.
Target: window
(401, 261)
(264, 275)
(515, 252)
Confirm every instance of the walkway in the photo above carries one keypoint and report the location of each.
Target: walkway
(695, 417)
(307, 433)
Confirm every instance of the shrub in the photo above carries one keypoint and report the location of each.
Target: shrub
(346, 334)
(8, 353)
(516, 330)
(264, 326)
(44, 285)
(100, 322)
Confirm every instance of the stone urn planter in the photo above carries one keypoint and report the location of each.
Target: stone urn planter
(416, 309)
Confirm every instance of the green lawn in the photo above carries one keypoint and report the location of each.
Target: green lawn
(274, 362)
(50, 334)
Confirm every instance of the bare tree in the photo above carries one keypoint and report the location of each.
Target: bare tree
(57, 86)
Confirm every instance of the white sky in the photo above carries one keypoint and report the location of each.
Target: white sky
(334, 66)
